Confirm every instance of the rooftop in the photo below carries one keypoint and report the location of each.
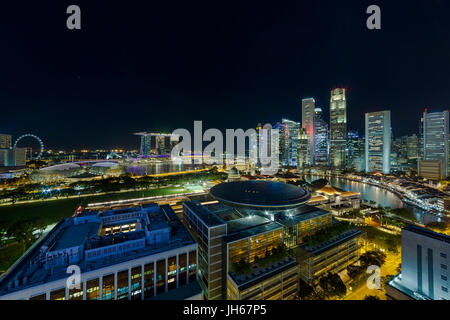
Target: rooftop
(335, 241)
(206, 215)
(396, 283)
(252, 231)
(75, 235)
(427, 233)
(43, 264)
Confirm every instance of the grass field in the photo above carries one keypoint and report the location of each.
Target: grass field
(54, 210)
(9, 254)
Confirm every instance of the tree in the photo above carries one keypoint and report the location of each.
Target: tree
(3, 232)
(373, 257)
(241, 267)
(371, 298)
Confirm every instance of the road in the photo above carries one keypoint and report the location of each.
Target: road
(389, 268)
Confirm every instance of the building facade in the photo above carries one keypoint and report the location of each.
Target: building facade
(303, 145)
(208, 229)
(275, 282)
(293, 129)
(130, 253)
(321, 139)
(331, 257)
(254, 219)
(13, 157)
(5, 141)
(338, 127)
(425, 265)
(156, 143)
(355, 154)
(308, 112)
(378, 141)
(435, 137)
(431, 169)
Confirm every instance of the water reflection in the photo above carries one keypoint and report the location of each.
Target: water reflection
(381, 196)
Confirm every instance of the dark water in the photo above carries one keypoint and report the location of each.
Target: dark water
(382, 197)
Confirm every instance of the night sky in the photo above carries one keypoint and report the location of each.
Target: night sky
(160, 65)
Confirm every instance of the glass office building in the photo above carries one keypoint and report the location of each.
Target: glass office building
(308, 113)
(247, 222)
(435, 138)
(378, 141)
(338, 127)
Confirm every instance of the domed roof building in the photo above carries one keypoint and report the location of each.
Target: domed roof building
(56, 172)
(260, 194)
(252, 219)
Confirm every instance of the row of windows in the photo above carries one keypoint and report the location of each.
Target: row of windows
(257, 246)
(134, 291)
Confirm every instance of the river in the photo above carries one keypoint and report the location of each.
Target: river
(381, 196)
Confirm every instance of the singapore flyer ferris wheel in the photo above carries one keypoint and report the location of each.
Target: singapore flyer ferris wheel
(41, 144)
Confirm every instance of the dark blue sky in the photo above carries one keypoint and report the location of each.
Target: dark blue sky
(147, 65)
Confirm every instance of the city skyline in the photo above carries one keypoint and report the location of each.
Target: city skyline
(95, 88)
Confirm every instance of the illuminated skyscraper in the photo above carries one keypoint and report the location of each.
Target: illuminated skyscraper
(294, 131)
(355, 156)
(412, 147)
(378, 141)
(420, 152)
(5, 141)
(338, 127)
(321, 138)
(435, 138)
(308, 107)
(302, 148)
(284, 142)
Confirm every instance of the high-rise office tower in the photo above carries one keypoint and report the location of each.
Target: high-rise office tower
(338, 127)
(321, 139)
(420, 152)
(435, 138)
(355, 155)
(303, 143)
(400, 146)
(412, 147)
(284, 142)
(294, 131)
(13, 157)
(308, 112)
(5, 141)
(378, 141)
